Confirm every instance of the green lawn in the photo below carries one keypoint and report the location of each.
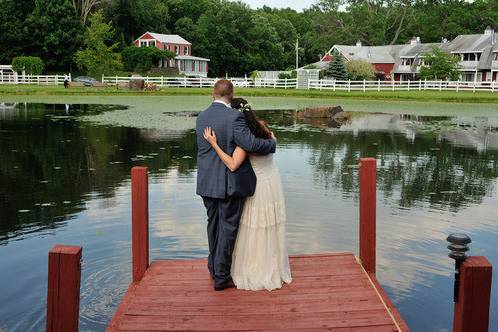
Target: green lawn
(441, 96)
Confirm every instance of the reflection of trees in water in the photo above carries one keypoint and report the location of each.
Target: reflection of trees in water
(51, 164)
(420, 169)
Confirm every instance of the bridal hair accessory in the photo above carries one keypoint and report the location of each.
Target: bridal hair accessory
(244, 107)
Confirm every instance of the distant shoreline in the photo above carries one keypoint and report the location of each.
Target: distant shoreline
(418, 96)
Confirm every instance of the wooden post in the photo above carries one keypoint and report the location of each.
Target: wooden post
(140, 221)
(472, 307)
(63, 292)
(368, 214)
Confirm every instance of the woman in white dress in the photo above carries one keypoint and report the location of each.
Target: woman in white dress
(260, 260)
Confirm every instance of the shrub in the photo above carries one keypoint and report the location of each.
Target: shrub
(30, 64)
(142, 59)
(283, 76)
(360, 70)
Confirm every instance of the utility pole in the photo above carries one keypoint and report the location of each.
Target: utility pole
(297, 54)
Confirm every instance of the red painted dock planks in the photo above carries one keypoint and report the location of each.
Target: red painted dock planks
(329, 292)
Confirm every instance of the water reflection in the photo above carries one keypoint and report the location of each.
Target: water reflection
(65, 180)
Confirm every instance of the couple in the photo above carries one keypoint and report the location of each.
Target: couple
(242, 192)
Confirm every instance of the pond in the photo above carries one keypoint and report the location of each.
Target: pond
(65, 178)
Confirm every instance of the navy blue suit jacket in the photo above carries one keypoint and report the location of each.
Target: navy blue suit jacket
(214, 179)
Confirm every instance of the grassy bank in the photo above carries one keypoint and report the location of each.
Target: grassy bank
(440, 96)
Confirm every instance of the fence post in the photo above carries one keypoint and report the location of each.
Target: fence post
(102, 78)
(419, 85)
(185, 81)
(472, 307)
(321, 83)
(440, 85)
(457, 85)
(63, 290)
(1, 76)
(492, 85)
(378, 85)
(285, 87)
(368, 214)
(408, 85)
(364, 85)
(162, 81)
(474, 86)
(140, 221)
(392, 81)
(349, 85)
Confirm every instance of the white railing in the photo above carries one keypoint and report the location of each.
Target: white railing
(335, 85)
(32, 79)
(201, 82)
(316, 84)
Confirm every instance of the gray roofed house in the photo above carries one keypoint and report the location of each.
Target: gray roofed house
(478, 56)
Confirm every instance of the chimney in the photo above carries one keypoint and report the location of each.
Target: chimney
(358, 43)
(415, 40)
(444, 40)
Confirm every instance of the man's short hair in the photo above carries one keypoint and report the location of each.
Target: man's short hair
(223, 88)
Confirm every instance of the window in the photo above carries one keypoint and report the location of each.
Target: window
(176, 49)
(185, 50)
(193, 65)
(143, 43)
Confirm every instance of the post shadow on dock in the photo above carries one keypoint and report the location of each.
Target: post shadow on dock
(64, 273)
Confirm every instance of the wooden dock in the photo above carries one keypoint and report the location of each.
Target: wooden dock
(329, 292)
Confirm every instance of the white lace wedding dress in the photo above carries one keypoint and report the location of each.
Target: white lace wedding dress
(260, 260)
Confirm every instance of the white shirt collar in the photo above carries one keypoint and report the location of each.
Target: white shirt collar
(222, 102)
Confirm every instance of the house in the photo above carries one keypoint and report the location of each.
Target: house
(478, 55)
(184, 61)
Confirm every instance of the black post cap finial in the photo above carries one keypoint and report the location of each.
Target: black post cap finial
(458, 246)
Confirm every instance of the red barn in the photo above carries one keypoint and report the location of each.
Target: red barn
(184, 61)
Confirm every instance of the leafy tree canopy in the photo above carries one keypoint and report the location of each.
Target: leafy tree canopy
(440, 65)
(98, 58)
(142, 59)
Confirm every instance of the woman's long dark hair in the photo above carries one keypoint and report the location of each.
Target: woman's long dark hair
(258, 127)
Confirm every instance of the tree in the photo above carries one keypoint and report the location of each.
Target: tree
(440, 65)
(54, 32)
(337, 69)
(29, 64)
(360, 70)
(14, 36)
(142, 59)
(85, 7)
(98, 58)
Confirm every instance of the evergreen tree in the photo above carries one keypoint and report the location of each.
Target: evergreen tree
(337, 69)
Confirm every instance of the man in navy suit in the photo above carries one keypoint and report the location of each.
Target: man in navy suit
(222, 191)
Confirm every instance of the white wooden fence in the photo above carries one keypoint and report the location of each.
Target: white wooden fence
(335, 85)
(32, 79)
(315, 84)
(201, 82)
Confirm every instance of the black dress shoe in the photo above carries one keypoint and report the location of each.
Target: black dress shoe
(227, 284)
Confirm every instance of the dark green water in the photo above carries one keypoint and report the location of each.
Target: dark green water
(64, 180)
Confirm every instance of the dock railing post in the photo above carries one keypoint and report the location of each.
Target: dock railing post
(63, 291)
(472, 291)
(472, 307)
(140, 221)
(368, 214)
